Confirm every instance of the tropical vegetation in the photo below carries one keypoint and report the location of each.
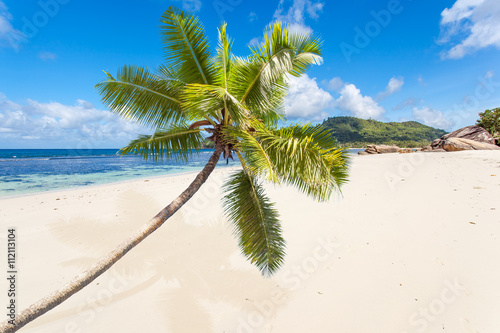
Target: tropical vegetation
(238, 102)
(355, 132)
(490, 121)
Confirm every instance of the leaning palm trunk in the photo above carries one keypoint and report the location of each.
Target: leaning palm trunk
(79, 282)
(238, 101)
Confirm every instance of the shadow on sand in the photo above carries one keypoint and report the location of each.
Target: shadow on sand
(192, 267)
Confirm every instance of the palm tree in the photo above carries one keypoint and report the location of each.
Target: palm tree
(239, 102)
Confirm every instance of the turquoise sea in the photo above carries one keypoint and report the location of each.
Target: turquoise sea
(26, 171)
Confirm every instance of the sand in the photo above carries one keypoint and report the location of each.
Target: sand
(412, 245)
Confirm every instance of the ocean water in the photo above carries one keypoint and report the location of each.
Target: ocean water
(26, 171)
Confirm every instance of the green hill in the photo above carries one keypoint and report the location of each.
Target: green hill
(356, 132)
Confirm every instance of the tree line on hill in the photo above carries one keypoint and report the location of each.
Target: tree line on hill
(356, 132)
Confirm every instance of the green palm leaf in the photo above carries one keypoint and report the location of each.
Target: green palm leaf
(140, 95)
(172, 76)
(260, 80)
(308, 52)
(223, 60)
(308, 158)
(254, 156)
(254, 79)
(255, 221)
(206, 102)
(177, 142)
(186, 46)
(203, 102)
(305, 157)
(223, 65)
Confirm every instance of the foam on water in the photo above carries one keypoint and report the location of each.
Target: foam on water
(33, 173)
(27, 171)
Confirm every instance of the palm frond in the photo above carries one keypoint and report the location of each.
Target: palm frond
(273, 110)
(260, 86)
(255, 158)
(143, 96)
(177, 141)
(305, 157)
(306, 47)
(202, 101)
(186, 47)
(263, 72)
(308, 52)
(223, 64)
(255, 77)
(170, 75)
(260, 80)
(223, 60)
(255, 221)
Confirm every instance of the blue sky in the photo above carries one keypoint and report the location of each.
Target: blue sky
(433, 61)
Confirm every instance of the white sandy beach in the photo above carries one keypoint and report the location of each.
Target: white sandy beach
(413, 245)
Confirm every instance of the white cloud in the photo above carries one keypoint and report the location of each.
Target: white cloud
(305, 100)
(255, 41)
(489, 74)
(9, 37)
(335, 84)
(313, 9)
(461, 9)
(44, 55)
(297, 13)
(420, 80)
(253, 16)
(191, 5)
(393, 86)
(474, 24)
(58, 124)
(432, 117)
(300, 28)
(352, 101)
(407, 103)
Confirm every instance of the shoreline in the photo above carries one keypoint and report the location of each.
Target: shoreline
(95, 182)
(3, 197)
(65, 170)
(407, 229)
(109, 184)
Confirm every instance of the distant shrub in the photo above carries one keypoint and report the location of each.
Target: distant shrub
(490, 121)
